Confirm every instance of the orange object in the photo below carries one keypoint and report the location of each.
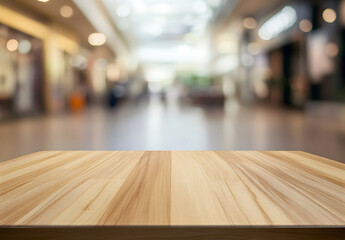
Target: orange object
(77, 101)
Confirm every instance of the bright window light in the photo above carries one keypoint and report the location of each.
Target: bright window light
(158, 74)
(162, 8)
(123, 11)
(200, 6)
(226, 64)
(173, 53)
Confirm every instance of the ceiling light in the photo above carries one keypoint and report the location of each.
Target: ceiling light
(123, 11)
(66, 11)
(249, 23)
(305, 25)
(24, 46)
(279, 23)
(12, 45)
(97, 39)
(43, 0)
(329, 15)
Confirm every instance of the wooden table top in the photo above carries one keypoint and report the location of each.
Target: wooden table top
(172, 189)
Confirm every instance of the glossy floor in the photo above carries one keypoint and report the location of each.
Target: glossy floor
(157, 125)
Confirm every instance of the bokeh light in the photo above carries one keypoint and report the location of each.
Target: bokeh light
(305, 25)
(66, 11)
(24, 47)
(329, 15)
(12, 45)
(97, 39)
(249, 23)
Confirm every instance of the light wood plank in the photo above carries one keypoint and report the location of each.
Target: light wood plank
(172, 189)
(144, 198)
(283, 190)
(48, 193)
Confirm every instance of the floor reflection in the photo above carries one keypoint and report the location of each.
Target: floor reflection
(169, 125)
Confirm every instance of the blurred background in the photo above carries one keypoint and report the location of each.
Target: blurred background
(172, 75)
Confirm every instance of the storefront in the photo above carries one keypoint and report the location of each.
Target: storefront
(21, 73)
(303, 47)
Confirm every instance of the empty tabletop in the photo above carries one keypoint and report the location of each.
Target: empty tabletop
(200, 192)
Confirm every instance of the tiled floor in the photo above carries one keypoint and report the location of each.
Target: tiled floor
(155, 125)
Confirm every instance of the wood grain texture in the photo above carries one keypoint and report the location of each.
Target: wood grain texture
(172, 189)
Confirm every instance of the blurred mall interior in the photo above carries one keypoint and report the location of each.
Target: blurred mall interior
(172, 75)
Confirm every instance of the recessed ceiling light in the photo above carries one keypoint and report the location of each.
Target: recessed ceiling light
(66, 11)
(329, 15)
(97, 39)
(43, 0)
(305, 25)
(12, 45)
(249, 23)
(25, 46)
